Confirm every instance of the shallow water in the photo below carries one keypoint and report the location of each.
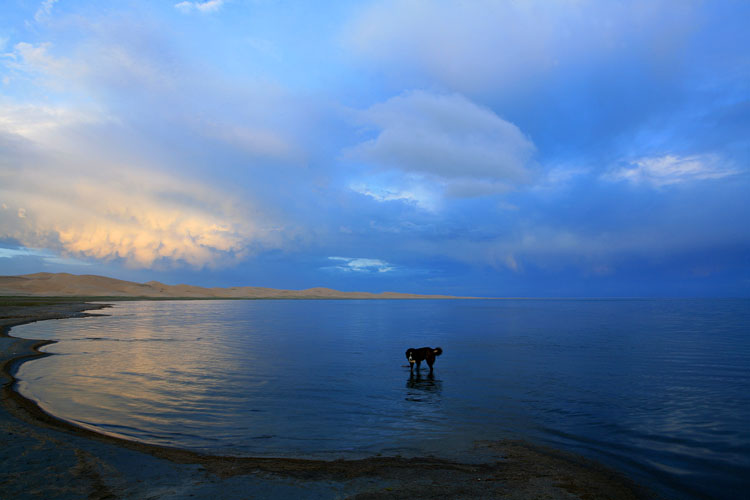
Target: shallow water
(657, 388)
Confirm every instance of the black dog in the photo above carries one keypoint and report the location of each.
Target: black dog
(422, 354)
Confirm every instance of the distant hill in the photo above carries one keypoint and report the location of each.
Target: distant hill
(72, 285)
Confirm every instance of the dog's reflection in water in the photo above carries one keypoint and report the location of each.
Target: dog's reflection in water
(424, 389)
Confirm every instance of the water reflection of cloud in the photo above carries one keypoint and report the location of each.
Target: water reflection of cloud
(164, 372)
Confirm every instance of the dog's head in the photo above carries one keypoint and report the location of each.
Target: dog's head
(409, 355)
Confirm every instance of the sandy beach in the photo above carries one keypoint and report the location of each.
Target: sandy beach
(44, 457)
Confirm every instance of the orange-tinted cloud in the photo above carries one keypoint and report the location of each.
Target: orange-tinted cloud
(87, 204)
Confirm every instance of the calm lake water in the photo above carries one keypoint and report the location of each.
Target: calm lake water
(657, 388)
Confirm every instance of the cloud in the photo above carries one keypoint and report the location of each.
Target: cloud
(35, 59)
(416, 194)
(463, 148)
(486, 45)
(44, 10)
(61, 192)
(137, 217)
(110, 74)
(137, 154)
(549, 247)
(361, 265)
(43, 123)
(666, 170)
(94, 66)
(202, 7)
(257, 141)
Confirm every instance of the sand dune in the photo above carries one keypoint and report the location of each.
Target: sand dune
(72, 285)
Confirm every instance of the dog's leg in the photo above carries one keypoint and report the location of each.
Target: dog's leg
(419, 363)
(429, 363)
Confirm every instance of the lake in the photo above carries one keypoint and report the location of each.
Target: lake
(659, 389)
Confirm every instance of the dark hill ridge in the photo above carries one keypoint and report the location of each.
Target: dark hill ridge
(72, 285)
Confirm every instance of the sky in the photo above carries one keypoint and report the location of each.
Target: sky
(536, 148)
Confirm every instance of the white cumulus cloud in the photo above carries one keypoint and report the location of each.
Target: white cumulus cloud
(416, 195)
(361, 265)
(44, 10)
(659, 171)
(203, 7)
(446, 139)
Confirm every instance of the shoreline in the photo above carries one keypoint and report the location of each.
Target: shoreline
(509, 468)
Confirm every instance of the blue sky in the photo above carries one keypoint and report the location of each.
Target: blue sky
(491, 148)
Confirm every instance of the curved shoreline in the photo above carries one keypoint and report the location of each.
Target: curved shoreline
(512, 468)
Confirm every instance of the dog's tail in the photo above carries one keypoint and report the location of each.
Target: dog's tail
(438, 351)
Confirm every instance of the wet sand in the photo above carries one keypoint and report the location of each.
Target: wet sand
(45, 457)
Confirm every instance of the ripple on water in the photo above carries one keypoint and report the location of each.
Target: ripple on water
(655, 387)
